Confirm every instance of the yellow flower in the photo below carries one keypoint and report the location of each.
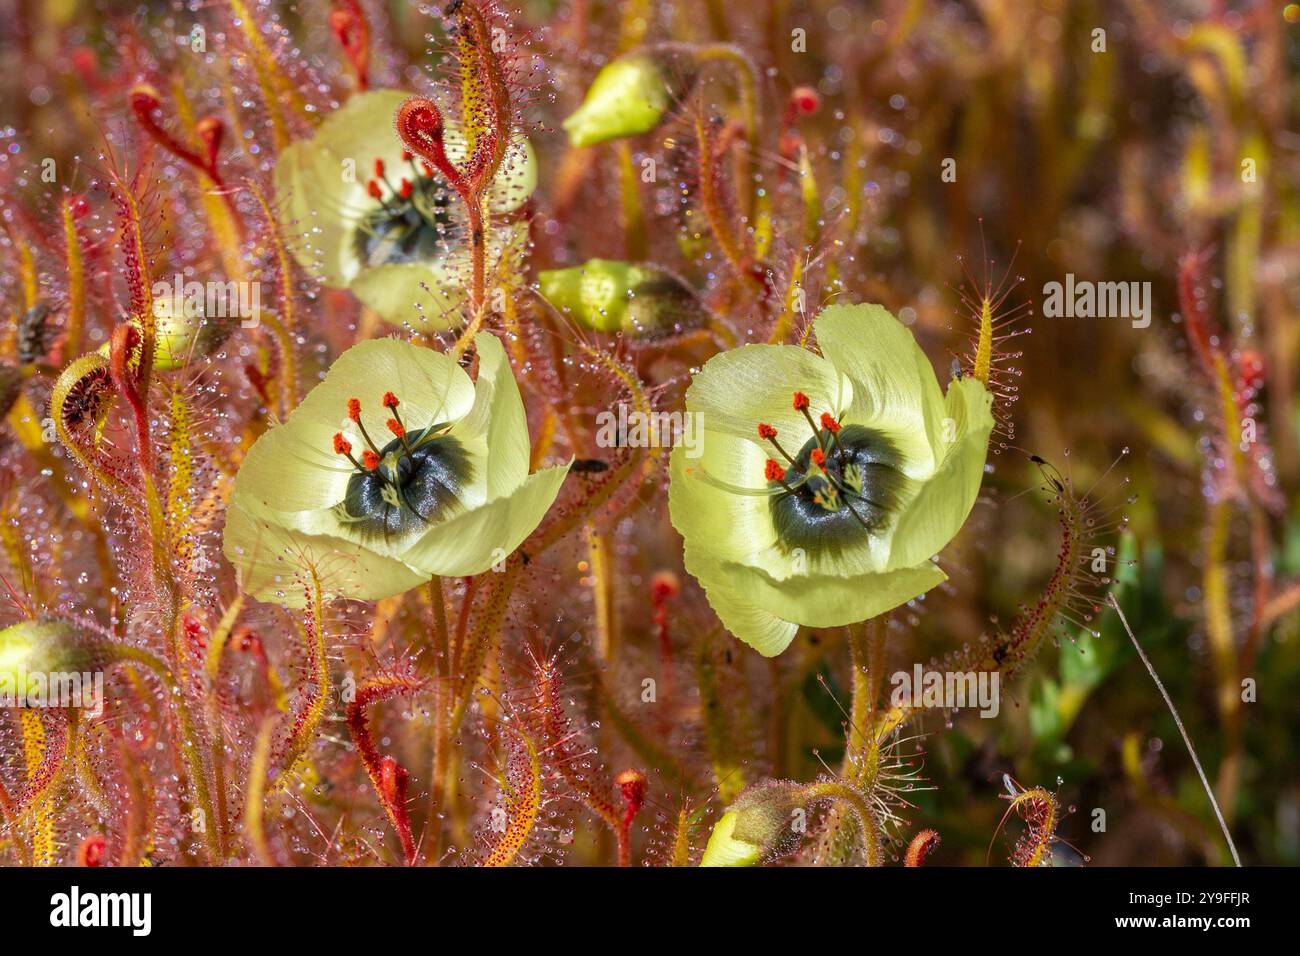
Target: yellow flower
(395, 468)
(826, 482)
(365, 215)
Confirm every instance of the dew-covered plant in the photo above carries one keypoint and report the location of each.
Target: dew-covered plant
(512, 433)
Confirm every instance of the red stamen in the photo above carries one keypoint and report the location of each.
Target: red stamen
(341, 445)
(354, 409)
(396, 428)
(766, 431)
(819, 458)
(370, 459)
(406, 189)
(407, 156)
(773, 472)
(800, 401)
(372, 187)
(379, 168)
(830, 424)
(390, 400)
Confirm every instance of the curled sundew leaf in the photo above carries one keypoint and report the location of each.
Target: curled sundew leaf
(81, 400)
(386, 774)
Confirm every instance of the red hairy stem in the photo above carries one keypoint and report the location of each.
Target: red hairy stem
(389, 778)
(664, 586)
(421, 128)
(145, 104)
(632, 784)
(124, 341)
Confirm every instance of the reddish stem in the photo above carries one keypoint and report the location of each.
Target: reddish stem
(349, 26)
(124, 340)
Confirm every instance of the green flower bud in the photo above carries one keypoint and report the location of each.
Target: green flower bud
(610, 296)
(759, 826)
(629, 97)
(39, 647)
(182, 333)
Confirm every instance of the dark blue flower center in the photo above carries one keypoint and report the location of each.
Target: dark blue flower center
(408, 492)
(844, 503)
(415, 228)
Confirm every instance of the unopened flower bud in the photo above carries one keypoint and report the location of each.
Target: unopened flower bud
(30, 651)
(758, 826)
(610, 296)
(628, 97)
(183, 333)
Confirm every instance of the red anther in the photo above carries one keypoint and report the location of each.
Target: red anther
(766, 431)
(396, 428)
(406, 189)
(805, 99)
(372, 187)
(773, 472)
(354, 409)
(390, 400)
(341, 445)
(370, 459)
(379, 168)
(829, 423)
(427, 170)
(819, 457)
(407, 156)
(800, 401)
(92, 851)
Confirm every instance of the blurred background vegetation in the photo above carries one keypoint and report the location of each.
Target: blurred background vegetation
(1118, 140)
